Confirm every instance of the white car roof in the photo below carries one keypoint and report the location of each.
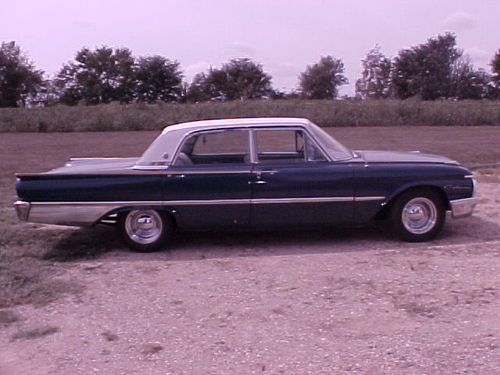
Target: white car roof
(257, 121)
(163, 148)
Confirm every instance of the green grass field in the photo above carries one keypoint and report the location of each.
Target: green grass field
(116, 117)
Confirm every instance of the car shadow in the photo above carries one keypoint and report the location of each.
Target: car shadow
(95, 242)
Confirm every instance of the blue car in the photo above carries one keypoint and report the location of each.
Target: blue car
(248, 173)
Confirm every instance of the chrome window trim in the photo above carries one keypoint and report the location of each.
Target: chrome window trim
(291, 127)
(352, 153)
(253, 155)
(253, 147)
(217, 130)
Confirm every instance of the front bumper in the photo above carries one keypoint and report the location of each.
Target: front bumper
(463, 207)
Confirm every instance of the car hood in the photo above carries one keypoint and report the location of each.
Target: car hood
(370, 156)
(95, 166)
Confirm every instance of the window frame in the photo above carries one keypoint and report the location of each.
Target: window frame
(201, 132)
(255, 158)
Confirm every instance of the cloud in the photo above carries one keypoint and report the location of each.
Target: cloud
(191, 70)
(240, 49)
(83, 24)
(285, 74)
(478, 56)
(460, 21)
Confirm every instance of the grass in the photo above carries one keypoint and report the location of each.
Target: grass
(116, 117)
(30, 255)
(34, 333)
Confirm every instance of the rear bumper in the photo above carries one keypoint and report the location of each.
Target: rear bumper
(463, 207)
(22, 210)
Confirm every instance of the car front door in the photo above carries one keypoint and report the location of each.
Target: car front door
(207, 184)
(293, 182)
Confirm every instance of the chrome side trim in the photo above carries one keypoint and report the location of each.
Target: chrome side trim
(368, 198)
(301, 200)
(108, 203)
(149, 167)
(67, 213)
(204, 202)
(214, 171)
(463, 207)
(88, 213)
(211, 201)
(96, 158)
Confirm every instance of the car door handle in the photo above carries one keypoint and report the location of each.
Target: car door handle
(259, 182)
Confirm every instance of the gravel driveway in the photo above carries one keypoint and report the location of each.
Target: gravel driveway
(354, 302)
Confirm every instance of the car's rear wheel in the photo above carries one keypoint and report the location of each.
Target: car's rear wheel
(418, 215)
(145, 230)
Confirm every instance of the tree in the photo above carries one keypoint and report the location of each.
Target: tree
(158, 78)
(467, 82)
(495, 78)
(426, 70)
(322, 80)
(246, 80)
(19, 79)
(213, 85)
(375, 81)
(99, 76)
(239, 79)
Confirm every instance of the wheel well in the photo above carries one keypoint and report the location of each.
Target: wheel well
(116, 215)
(384, 213)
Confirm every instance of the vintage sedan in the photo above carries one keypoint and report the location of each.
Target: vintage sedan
(248, 173)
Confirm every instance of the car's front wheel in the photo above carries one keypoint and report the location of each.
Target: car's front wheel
(145, 230)
(418, 215)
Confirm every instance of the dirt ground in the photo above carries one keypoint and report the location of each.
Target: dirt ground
(323, 302)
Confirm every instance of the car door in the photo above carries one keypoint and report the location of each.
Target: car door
(293, 182)
(207, 184)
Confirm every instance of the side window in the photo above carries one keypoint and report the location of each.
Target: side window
(285, 144)
(215, 147)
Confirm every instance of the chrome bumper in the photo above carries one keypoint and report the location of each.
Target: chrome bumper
(463, 207)
(22, 209)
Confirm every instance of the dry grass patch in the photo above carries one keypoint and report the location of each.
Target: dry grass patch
(34, 333)
(328, 113)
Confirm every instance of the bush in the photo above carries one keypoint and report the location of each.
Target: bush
(327, 113)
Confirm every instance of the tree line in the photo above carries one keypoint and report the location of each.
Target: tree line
(436, 69)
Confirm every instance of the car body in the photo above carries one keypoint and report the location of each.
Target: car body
(248, 173)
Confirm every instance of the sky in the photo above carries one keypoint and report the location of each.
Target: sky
(283, 35)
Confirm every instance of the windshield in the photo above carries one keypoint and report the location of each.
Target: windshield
(337, 150)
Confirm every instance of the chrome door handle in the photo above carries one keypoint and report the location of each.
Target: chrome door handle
(259, 182)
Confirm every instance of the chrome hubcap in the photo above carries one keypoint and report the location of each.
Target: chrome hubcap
(419, 215)
(143, 226)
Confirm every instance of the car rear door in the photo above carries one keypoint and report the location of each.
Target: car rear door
(293, 182)
(208, 183)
